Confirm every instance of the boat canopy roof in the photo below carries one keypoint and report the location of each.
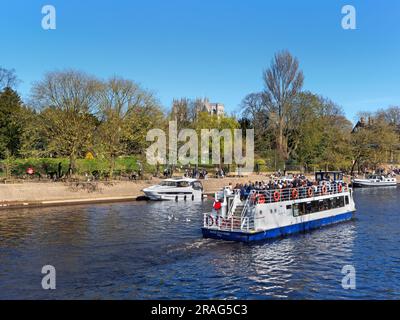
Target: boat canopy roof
(180, 183)
(180, 179)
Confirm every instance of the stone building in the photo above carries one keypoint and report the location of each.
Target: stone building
(213, 108)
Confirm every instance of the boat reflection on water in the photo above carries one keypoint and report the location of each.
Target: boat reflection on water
(301, 266)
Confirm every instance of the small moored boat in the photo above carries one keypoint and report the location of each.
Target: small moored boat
(175, 189)
(374, 181)
(273, 213)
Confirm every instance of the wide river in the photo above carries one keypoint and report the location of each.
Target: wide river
(156, 251)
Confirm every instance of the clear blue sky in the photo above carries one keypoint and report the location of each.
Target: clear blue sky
(213, 48)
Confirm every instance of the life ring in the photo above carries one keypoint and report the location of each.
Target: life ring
(295, 193)
(208, 219)
(324, 189)
(217, 205)
(277, 196)
(261, 198)
(310, 192)
(340, 188)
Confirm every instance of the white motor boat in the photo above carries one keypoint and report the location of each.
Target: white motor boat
(374, 181)
(175, 189)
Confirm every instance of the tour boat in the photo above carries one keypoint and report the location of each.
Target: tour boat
(175, 189)
(374, 181)
(273, 213)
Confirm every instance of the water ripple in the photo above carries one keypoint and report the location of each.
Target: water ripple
(155, 251)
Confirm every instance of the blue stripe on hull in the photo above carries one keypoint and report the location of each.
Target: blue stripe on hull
(277, 232)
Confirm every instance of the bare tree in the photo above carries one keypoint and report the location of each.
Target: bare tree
(282, 82)
(181, 112)
(252, 105)
(8, 78)
(67, 90)
(255, 112)
(67, 100)
(391, 115)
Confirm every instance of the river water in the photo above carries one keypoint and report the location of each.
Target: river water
(156, 251)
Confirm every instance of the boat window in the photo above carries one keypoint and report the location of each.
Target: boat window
(309, 208)
(182, 184)
(288, 207)
(197, 185)
(168, 183)
(334, 203)
(296, 211)
(326, 204)
(303, 208)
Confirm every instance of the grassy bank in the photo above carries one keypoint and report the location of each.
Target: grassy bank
(30, 194)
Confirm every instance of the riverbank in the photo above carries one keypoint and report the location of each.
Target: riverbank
(33, 194)
(43, 194)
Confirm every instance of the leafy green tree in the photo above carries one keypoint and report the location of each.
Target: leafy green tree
(34, 138)
(11, 124)
(146, 115)
(120, 101)
(321, 135)
(373, 142)
(206, 121)
(306, 138)
(336, 151)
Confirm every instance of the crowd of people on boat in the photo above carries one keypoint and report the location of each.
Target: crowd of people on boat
(299, 182)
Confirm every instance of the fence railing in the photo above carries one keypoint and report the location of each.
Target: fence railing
(246, 220)
(221, 223)
(287, 194)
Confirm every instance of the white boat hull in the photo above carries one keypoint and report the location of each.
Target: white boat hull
(278, 231)
(187, 195)
(363, 183)
(175, 189)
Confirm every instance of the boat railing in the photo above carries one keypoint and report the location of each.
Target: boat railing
(235, 202)
(222, 223)
(246, 206)
(245, 221)
(288, 194)
(228, 223)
